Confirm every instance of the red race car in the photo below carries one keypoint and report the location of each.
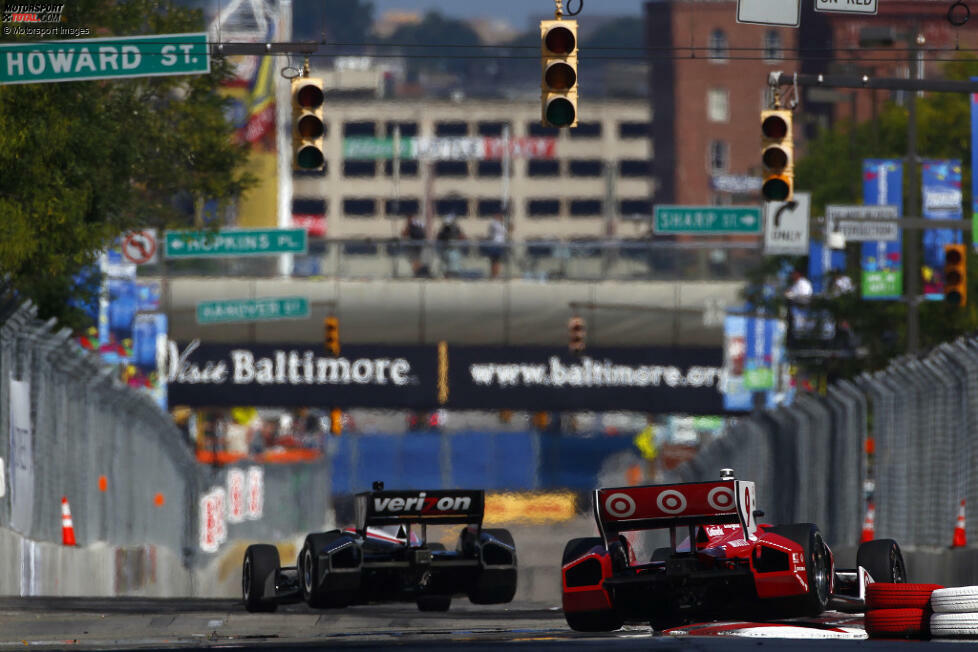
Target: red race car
(729, 565)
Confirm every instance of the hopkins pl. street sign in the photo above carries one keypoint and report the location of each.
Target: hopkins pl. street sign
(104, 58)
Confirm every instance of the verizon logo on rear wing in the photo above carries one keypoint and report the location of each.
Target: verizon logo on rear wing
(460, 506)
(660, 506)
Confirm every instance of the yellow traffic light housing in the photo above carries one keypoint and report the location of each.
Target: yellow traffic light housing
(558, 62)
(576, 335)
(331, 335)
(777, 155)
(308, 128)
(955, 274)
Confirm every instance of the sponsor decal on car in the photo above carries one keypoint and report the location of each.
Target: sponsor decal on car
(422, 504)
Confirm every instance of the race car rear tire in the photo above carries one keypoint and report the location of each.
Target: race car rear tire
(308, 568)
(434, 602)
(593, 621)
(496, 586)
(818, 567)
(577, 547)
(889, 595)
(260, 561)
(883, 559)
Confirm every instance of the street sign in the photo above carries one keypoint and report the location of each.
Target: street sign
(786, 226)
(241, 310)
(104, 58)
(846, 6)
(708, 220)
(871, 212)
(866, 231)
(139, 247)
(235, 242)
(769, 12)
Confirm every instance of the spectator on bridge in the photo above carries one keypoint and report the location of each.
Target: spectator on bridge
(799, 296)
(449, 252)
(414, 232)
(496, 249)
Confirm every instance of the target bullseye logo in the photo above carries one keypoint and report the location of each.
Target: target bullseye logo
(620, 505)
(721, 499)
(671, 501)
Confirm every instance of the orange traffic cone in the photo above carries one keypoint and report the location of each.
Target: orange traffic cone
(869, 523)
(960, 538)
(67, 527)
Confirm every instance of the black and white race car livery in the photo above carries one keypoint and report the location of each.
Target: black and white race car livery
(382, 559)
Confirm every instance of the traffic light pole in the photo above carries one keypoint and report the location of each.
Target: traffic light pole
(910, 235)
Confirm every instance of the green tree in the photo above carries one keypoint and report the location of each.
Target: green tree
(831, 169)
(84, 161)
(431, 41)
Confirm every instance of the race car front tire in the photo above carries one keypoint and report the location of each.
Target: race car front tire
(818, 567)
(260, 562)
(496, 585)
(593, 621)
(308, 567)
(883, 560)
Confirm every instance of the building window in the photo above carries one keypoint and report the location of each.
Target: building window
(452, 206)
(451, 129)
(354, 168)
(490, 207)
(585, 207)
(719, 49)
(401, 207)
(307, 206)
(408, 168)
(408, 129)
(451, 168)
(634, 129)
(586, 168)
(635, 208)
(772, 45)
(490, 169)
(542, 167)
(490, 129)
(537, 129)
(366, 128)
(305, 174)
(719, 156)
(634, 168)
(543, 207)
(586, 130)
(718, 105)
(360, 207)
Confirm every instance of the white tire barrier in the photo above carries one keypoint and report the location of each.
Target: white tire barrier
(955, 600)
(954, 624)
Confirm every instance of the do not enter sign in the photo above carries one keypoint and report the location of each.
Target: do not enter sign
(139, 247)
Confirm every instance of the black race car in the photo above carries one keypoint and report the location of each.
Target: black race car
(382, 559)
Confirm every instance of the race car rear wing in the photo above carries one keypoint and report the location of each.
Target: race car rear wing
(668, 506)
(451, 506)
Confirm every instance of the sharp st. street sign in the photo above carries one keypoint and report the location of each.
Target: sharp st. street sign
(35, 62)
(708, 220)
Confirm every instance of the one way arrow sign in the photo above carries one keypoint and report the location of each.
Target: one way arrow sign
(786, 226)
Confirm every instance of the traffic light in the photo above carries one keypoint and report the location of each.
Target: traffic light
(307, 124)
(336, 421)
(331, 335)
(577, 333)
(955, 274)
(558, 60)
(776, 155)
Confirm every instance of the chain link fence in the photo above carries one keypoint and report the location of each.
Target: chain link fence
(810, 461)
(70, 428)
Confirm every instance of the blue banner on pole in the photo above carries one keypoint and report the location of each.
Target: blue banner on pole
(882, 262)
(941, 187)
(974, 166)
(754, 355)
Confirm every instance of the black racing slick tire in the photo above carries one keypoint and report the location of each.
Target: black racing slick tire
(818, 567)
(261, 564)
(577, 547)
(593, 621)
(883, 560)
(496, 586)
(309, 572)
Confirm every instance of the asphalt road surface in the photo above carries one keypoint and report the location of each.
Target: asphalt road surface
(150, 624)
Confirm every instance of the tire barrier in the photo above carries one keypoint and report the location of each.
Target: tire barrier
(955, 612)
(898, 623)
(885, 595)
